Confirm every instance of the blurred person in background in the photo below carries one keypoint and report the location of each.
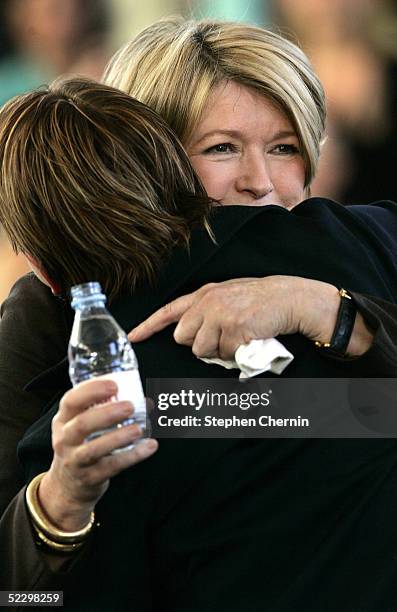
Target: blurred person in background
(48, 38)
(353, 47)
(44, 39)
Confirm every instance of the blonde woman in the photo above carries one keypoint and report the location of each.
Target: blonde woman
(250, 112)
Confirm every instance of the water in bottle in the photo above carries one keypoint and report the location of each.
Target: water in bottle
(99, 347)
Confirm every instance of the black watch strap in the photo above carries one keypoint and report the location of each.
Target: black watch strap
(343, 327)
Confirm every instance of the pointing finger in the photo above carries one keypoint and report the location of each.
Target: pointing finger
(171, 313)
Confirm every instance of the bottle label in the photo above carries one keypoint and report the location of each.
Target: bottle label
(129, 389)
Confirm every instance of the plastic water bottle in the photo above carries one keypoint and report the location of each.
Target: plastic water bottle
(99, 348)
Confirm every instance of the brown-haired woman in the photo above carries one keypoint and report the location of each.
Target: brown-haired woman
(100, 148)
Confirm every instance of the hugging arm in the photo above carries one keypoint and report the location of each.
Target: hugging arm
(218, 317)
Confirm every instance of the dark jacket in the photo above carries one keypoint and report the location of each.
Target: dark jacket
(243, 524)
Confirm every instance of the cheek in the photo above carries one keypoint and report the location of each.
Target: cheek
(214, 176)
(291, 182)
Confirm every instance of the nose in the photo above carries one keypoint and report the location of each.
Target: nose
(254, 178)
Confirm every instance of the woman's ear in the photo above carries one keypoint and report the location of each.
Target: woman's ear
(42, 275)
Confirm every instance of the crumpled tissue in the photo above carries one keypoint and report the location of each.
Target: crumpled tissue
(256, 357)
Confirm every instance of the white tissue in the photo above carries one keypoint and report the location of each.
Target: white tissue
(256, 357)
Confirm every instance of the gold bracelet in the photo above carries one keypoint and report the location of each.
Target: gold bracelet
(56, 546)
(44, 526)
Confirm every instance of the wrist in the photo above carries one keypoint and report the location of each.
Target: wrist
(61, 511)
(317, 310)
(49, 535)
(361, 339)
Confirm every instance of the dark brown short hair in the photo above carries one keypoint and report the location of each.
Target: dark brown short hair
(94, 185)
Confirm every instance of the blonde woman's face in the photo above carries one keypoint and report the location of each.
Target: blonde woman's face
(246, 151)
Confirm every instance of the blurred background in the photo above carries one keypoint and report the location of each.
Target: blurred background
(352, 44)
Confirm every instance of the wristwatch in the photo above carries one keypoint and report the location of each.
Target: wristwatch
(343, 328)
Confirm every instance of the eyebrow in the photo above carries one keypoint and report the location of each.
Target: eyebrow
(237, 134)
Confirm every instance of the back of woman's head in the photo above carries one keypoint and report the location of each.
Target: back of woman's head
(174, 65)
(94, 185)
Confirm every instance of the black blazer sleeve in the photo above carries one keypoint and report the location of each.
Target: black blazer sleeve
(381, 359)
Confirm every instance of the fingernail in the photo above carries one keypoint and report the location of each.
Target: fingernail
(134, 431)
(127, 406)
(149, 444)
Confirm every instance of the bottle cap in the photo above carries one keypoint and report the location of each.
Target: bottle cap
(87, 292)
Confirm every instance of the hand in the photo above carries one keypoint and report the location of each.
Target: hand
(218, 317)
(80, 470)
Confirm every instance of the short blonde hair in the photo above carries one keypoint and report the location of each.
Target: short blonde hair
(174, 65)
(94, 185)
